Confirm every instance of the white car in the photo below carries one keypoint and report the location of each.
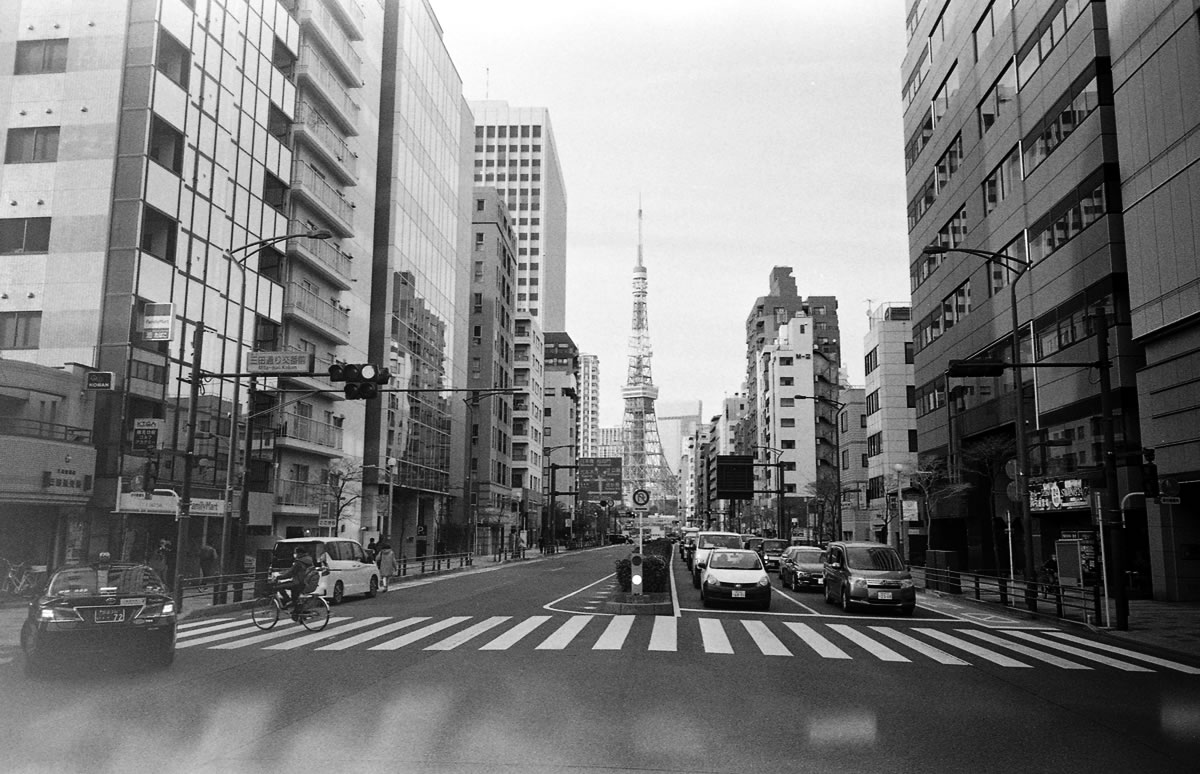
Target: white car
(735, 575)
(350, 570)
(706, 542)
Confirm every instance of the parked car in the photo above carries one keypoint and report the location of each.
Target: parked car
(735, 575)
(706, 542)
(869, 574)
(771, 550)
(802, 567)
(350, 570)
(107, 607)
(687, 544)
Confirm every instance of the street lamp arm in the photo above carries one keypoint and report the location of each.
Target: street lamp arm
(821, 399)
(993, 257)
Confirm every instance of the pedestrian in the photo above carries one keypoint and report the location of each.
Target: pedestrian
(372, 549)
(166, 557)
(387, 565)
(209, 560)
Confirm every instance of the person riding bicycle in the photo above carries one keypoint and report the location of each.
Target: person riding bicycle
(293, 580)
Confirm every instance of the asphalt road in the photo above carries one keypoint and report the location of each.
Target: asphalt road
(518, 669)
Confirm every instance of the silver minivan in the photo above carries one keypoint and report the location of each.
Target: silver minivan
(350, 570)
(869, 574)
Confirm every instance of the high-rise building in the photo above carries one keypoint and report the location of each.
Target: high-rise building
(589, 405)
(515, 152)
(891, 420)
(494, 513)
(529, 379)
(1013, 150)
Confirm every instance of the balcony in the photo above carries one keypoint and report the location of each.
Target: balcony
(322, 25)
(317, 313)
(317, 77)
(314, 190)
(320, 381)
(322, 255)
(351, 16)
(314, 129)
(300, 495)
(307, 434)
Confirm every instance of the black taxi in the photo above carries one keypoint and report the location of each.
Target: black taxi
(116, 608)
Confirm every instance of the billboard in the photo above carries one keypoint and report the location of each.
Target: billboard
(598, 478)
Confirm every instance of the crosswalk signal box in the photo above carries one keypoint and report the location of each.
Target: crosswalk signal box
(635, 573)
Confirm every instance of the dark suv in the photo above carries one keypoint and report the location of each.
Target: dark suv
(870, 574)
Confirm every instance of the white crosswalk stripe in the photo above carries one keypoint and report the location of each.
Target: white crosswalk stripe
(833, 640)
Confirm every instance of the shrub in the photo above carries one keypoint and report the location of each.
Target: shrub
(654, 574)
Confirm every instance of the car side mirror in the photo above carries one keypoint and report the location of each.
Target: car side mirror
(701, 565)
(835, 565)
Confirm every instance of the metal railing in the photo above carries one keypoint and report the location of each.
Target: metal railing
(1082, 604)
(34, 428)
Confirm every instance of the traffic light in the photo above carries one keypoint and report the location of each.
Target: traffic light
(976, 367)
(362, 379)
(1149, 475)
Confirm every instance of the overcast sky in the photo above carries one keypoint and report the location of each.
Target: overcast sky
(757, 133)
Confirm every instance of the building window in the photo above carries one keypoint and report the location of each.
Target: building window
(912, 440)
(41, 56)
(945, 95)
(1061, 121)
(1002, 182)
(166, 145)
(999, 100)
(31, 145)
(174, 60)
(24, 235)
(159, 233)
(20, 330)
(787, 422)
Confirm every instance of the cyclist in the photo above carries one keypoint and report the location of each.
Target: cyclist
(294, 579)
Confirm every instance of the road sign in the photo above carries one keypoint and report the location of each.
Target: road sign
(641, 498)
(279, 362)
(598, 478)
(148, 434)
(100, 380)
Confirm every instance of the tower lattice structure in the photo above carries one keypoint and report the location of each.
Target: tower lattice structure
(644, 464)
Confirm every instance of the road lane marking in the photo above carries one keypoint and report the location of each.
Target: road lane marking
(817, 642)
(576, 592)
(515, 634)
(1162, 662)
(188, 625)
(246, 629)
(196, 632)
(878, 650)
(766, 641)
(453, 641)
(421, 633)
(1025, 651)
(615, 633)
(714, 637)
(326, 634)
(938, 655)
(970, 647)
(281, 630)
(665, 637)
(1112, 662)
(374, 634)
(562, 638)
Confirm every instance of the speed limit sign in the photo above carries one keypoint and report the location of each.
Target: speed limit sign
(641, 497)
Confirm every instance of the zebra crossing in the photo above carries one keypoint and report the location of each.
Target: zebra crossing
(946, 646)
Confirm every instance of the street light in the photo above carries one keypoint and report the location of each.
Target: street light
(552, 540)
(781, 511)
(1020, 268)
(900, 526)
(250, 249)
(837, 451)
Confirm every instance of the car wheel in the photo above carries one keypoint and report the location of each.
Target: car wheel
(845, 599)
(339, 593)
(825, 586)
(374, 586)
(765, 604)
(164, 657)
(907, 610)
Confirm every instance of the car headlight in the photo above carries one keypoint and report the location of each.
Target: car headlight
(858, 583)
(906, 583)
(58, 614)
(711, 581)
(764, 581)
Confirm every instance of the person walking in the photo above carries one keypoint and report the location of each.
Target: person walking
(209, 560)
(387, 565)
(372, 551)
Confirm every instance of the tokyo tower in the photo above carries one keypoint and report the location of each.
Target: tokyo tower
(644, 465)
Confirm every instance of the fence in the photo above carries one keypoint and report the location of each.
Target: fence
(1070, 603)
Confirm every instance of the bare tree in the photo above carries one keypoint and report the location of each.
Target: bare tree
(932, 480)
(824, 491)
(343, 485)
(986, 458)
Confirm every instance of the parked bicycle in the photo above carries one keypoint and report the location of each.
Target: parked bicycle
(23, 579)
(313, 613)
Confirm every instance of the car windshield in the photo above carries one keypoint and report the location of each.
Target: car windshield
(721, 541)
(809, 555)
(734, 560)
(873, 558)
(90, 581)
(284, 553)
(774, 546)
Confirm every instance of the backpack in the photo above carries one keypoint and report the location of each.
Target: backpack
(312, 579)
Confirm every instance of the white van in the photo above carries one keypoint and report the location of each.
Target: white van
(350, 571)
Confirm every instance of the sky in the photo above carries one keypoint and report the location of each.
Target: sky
(754, 133)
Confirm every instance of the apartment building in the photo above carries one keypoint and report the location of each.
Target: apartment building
(589, 405)
(560, 429)
(529, 380)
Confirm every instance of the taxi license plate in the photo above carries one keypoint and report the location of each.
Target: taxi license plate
(739, 594)
(110, 615)
(885, 595)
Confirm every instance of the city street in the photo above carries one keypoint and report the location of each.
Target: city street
(517, 668)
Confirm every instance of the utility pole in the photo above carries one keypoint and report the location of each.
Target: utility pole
(1112, 498)
(184, 506)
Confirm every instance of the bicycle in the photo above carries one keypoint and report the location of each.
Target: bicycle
(313, 614)
(24, 579)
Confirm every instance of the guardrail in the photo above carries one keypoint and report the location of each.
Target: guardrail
(1083, 604)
